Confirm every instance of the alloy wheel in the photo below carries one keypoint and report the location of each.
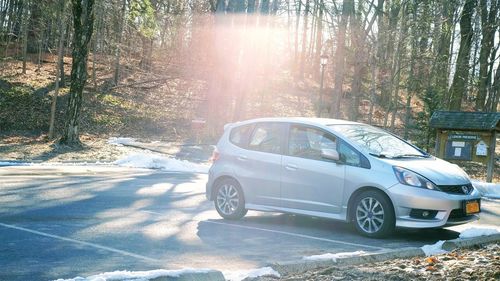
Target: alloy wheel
(370, 215)
(228, 199)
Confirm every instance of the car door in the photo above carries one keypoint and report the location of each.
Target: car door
(309, 182)
(258, 167)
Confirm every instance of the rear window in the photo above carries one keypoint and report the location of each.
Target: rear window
(239, 136)
(267, 137)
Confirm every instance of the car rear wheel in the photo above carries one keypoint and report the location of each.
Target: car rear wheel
(229, 200)
(373, 215)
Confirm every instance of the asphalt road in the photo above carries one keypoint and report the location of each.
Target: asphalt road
(63, 222)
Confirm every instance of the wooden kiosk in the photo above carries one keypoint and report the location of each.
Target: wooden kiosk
(467, 136)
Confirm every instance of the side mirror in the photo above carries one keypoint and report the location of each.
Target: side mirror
(330, 154)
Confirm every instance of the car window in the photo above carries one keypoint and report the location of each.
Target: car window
(239, 136)
(307, 142)
(267, 137)
(377, 141)
(349, 155)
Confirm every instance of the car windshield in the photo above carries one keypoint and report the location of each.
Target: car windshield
(378, 142)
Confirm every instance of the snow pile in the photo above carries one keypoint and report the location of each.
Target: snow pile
(490, 190)
(137, 275)
(253, 273)
(478, 231)
(154, 161)
(121, 141)
(434, 249)
(334, 257)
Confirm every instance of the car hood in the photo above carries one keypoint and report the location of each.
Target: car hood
(440, 172)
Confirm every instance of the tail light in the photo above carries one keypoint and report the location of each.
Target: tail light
(215, 155)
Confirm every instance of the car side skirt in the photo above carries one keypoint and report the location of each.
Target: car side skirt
(340, 216)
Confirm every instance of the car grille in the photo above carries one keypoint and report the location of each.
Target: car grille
(456, 189)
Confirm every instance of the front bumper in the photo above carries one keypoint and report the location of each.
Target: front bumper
(448, 206)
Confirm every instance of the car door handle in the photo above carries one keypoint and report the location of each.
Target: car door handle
(242, 158)
(291, 167)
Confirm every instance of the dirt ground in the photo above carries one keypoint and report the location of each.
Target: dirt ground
(38, 149)
(479, 263)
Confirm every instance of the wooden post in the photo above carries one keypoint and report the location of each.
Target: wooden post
(438, 144)
(491, 159)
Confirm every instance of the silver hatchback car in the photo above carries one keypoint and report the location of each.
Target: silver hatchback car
(339, 170)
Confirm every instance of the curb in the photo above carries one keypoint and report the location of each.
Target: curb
(451, 245)
(301, 266)
(294, 267)
(212, 275)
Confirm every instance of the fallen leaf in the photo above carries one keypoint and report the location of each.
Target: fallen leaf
(431, 260)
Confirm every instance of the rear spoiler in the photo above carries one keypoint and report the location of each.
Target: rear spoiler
(227, 126)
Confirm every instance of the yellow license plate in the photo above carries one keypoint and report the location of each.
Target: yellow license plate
(471, 207)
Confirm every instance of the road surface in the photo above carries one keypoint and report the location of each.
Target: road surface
(68, 221)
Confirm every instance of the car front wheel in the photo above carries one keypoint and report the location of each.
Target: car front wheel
(373, 215)
(229, 200)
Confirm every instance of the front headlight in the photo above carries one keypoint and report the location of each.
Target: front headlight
(410, 178)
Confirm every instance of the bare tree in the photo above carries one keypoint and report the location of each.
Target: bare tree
(60, 57)
(83, 24)
(462, 67)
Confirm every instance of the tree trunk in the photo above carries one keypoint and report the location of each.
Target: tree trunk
(296, 49)
(411, 85)
(61, 63)
(25, 19)
(495, 91)
(83, 23)
(401, 51)
(339, 65)
(304, 40)
(60, 24)
(3, 14)
(319, 40)
(264, 7)
(460, 79)
(119, 42)
(251, 6)
(488, 29)
(97, 35)
(442, 68)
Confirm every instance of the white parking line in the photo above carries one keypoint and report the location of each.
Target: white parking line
(285, 233)
(297, 235)
(93, 245)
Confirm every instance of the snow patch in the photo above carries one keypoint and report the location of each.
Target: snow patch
(252, 273)
(75, 163)
(121, 141)
(137, 275)
(478, 231)
(434, 249)
(490, 190)
(155, 161)
(13, 163)
(334, 257)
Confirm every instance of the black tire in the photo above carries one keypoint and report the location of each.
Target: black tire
(373, 214)
(229, 200)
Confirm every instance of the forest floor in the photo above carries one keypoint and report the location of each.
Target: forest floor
(478, 263)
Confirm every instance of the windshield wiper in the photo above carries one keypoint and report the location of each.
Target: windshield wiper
(379, 155)
(411, 155)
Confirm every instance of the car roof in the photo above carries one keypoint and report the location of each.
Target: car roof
(303, 120)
